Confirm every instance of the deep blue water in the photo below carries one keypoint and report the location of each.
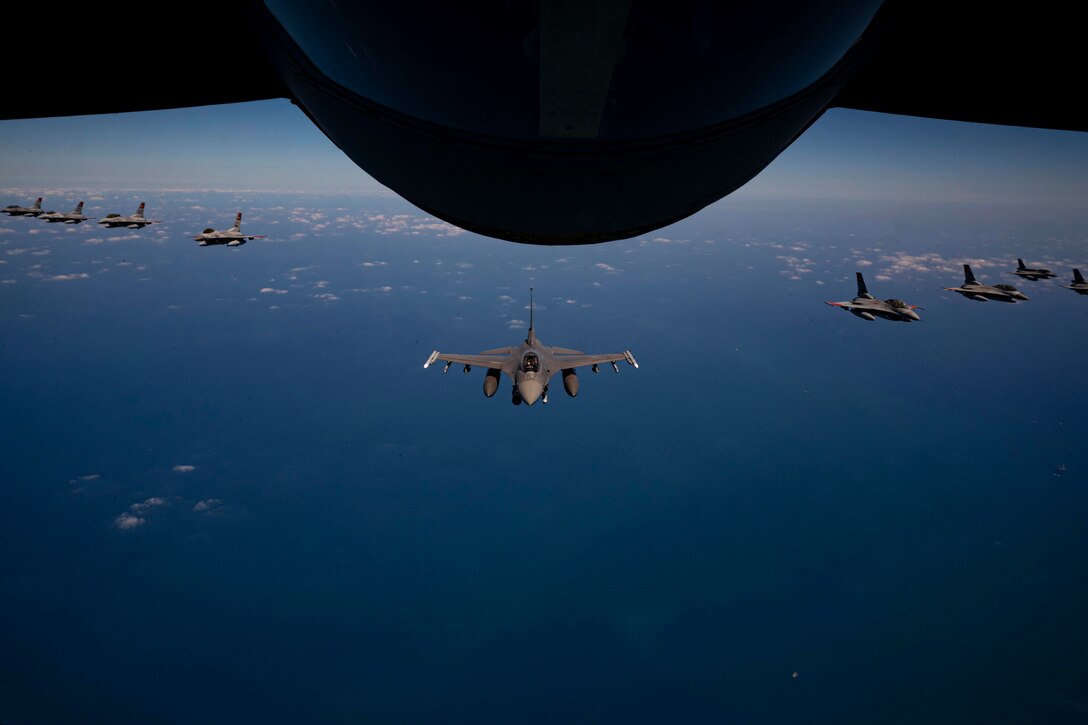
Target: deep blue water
(780, 489)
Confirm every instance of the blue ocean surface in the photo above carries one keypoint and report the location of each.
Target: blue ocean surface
(232, 493)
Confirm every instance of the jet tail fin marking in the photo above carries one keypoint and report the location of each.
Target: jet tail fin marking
(968, 275)
(139, 211)
(38, 203)
(78, 209)
(237, 223)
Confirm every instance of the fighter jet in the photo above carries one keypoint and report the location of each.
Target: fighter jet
(15, 210)
(232, 237)
(73, 217)
(531, 365)
(868, 307)
(1079, 285)
(1032, 274)
(136, 221)
(972, 289)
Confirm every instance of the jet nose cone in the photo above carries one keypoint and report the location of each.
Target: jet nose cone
(530, 391)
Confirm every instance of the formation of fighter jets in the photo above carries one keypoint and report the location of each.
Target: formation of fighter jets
(868, 307)
(232, 237)
(531, 365)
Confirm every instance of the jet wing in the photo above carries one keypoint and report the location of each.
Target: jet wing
(184, 62)
(1015, 65)
(577, 361)
(484, 361)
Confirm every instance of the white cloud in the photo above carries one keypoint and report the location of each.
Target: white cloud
(608, 268)
(127, 521)
(67, 277)
(273, 291)
(183, 469)
(516, 324)
(147, 504)
(207, 505)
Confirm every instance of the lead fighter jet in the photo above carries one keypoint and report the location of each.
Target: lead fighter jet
(232, 237)
(531, 365)
(972, 289)
(868, 307)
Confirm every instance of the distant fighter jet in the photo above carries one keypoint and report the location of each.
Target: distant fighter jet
(232, 237)
(530, 365)
(1079, 285)
(1032, 274)
(136, 221)
(868, 307)
(972, 289)
(73, 217)
(15, 210)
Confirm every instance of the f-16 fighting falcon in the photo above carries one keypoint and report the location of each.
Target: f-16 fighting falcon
(1024, 272)
(16, 210)
(73, 217)
(135, 221)
(868, 307)
(1079, 285)
(232, 237)
(530, 365)
(972, 289)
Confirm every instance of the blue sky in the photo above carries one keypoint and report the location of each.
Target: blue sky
(271, 145)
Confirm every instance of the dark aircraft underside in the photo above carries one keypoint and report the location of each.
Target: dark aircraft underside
(563, 122)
